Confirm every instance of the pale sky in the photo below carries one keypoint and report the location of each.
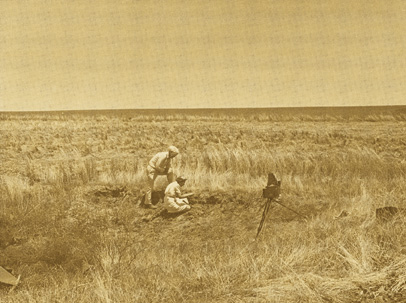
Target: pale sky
(117, 54)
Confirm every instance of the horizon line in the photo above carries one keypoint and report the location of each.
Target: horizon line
(196, 108)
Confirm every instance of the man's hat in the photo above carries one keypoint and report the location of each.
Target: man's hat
(180, 179)
(173, 149)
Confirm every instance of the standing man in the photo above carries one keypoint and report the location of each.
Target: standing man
(159, 165)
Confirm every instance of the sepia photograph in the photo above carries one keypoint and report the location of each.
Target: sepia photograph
(225, 151)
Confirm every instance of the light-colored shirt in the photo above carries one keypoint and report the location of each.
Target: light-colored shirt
(160, 161)
(173, 190)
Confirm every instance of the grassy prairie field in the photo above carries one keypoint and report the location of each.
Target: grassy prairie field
(72, 227)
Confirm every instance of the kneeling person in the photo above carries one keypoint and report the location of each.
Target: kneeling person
(174, 201)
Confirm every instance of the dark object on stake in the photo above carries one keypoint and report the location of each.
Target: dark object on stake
(272, 193)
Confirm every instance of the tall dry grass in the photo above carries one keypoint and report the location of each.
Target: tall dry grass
(71, 227)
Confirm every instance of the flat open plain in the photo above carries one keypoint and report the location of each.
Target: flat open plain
(73, 227)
